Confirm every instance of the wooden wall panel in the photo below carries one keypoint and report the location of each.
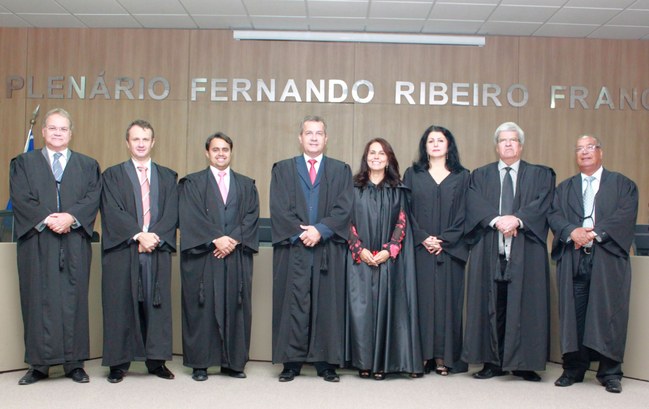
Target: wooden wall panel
(266, 131)
(13, 111)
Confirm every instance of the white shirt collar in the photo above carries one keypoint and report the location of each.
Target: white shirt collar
(502, 165)
(597, 174)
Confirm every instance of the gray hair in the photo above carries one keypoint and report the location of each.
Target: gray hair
(313, 118)
(57, 111)
(510, 126)
(597, 140)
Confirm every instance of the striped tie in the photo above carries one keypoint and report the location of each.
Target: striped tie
(57, 169)
(145, 188)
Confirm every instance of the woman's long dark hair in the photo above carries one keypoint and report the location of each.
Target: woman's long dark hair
(453, 155)
(392, 175)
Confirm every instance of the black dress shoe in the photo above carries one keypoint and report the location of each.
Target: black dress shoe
(329, 375)
(78, 375)
(566, 380)
(32, 376)
(489, 372)
(199, 374)
(613, 386)
(232, 373)
(527, 375)
(115, 376)
(288, 375)
(162, 372)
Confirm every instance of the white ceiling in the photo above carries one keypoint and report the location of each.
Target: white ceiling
(612, 19)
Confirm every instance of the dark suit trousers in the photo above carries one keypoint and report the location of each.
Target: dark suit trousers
(576, 363)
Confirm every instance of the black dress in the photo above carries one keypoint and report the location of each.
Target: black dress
(439, 210)
(382, 325)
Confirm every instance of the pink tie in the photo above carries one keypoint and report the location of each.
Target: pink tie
(222, 187)
(312, 172)
(145, 188)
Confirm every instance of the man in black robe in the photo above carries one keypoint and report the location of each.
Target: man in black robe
(311, 198)
(139, 235)
(219, 212)
(507, 326)
(593, 218)
(55, 195)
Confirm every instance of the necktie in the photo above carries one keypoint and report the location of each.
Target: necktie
(222, 187)
(507, 194)
(57, 169)
(589, 202)
(145, 188)
(312, 172)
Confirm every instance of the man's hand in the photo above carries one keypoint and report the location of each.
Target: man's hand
(508, 225)
(310, 236)
(224, 246)
(60, 222)
(147, 242)
(582, 236)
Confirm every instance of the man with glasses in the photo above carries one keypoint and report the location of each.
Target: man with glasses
(55, 195)
(508, 308)
(593, 219)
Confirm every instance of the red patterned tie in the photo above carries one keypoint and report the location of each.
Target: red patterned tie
(145, 188)
(312, 172)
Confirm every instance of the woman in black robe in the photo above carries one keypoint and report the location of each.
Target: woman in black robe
(438, 183)
(382, 325)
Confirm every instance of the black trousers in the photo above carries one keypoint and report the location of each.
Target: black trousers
(320, 367)
(576, 363)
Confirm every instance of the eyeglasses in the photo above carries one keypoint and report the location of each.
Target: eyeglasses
(510, 140)
(63, 129)
(587, 148)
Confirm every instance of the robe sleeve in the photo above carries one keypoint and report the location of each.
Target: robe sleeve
(617, 229)
(339, 217)
(418, 233)
(165, 226)
(534, 213)
(119, 225)
(247, 232)
(29, 210)
(196, 227)
(453, 236)
(355, 244)
(398, 233)
(285, 222)
(85, 209)
(479, 210)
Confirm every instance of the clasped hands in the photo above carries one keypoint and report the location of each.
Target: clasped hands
(508, 225)
(582, 236)
(59, 223)
(374, 259)
(147, 242)
(224, 246)
(310, 236)
(433, 245)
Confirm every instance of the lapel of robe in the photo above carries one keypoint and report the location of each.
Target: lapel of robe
(130, 171)
(606, 190)
(154, 193)
(212, 195)
(521, 188)
(576, 199)
(302, 171)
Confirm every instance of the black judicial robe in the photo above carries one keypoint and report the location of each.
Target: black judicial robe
(126, 337)
(439, 210)
(528, 310)
(382, 316)
(54, 269)
(309, 307)
(616, 209)
(216, 293)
